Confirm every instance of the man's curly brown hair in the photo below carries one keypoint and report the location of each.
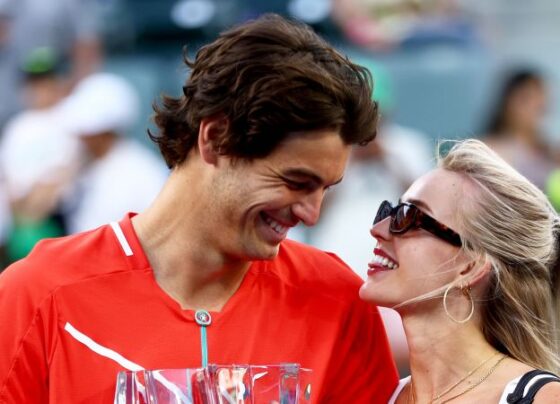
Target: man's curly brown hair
(270, 77)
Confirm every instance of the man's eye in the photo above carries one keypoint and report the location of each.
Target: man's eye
(297, 185)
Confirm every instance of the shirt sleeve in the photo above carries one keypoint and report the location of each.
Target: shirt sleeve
(24, 338)
(362, 369)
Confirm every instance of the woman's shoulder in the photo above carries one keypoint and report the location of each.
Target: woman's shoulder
(549, 393)
(533, 386)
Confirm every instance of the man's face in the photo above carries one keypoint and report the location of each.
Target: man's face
(256, 203)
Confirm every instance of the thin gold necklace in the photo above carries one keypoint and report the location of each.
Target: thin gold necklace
(448, 390)
(482, 379)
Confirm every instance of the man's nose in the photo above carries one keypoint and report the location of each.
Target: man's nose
(308, 208)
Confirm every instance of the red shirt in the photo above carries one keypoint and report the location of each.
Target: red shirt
(79, 309)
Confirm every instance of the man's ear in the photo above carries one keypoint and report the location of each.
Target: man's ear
(477, 271)
(210, 131)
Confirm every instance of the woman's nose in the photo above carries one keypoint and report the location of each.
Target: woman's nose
(380, 230)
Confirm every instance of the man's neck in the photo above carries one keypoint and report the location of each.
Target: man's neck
(198, 288)
(186, 266)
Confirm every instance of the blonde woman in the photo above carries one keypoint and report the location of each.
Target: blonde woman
(466, 258)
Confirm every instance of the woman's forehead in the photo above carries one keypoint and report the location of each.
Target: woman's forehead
(441, 191)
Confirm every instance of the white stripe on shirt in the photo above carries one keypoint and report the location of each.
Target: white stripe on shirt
(101, 350)
(122, 239)
(121, 360)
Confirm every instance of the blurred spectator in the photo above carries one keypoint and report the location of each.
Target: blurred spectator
(382, 170)
(43, 80)
(386, 24)
(68, 27)
(37, 159)
(120, 174)
(515, 127)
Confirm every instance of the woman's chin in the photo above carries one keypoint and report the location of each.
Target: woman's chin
(369, 294)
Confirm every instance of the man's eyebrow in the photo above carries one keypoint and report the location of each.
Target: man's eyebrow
(306, 174)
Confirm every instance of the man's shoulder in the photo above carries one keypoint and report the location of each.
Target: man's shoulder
(58, 261)
(79, 248)
(302, 264)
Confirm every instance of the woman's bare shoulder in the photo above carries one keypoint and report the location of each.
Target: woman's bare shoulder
(549, 393)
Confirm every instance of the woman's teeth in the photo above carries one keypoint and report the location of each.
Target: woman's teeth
(384, 261)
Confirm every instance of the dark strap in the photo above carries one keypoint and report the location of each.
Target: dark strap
(534, 389)
(517, 396)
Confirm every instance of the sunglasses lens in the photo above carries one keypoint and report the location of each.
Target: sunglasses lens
(404, 218)
(383, 212)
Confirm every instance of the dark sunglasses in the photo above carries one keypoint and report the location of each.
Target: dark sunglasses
(406, 216)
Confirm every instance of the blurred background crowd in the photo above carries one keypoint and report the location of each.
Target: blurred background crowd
(78, 77)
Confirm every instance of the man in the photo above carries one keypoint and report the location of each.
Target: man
(206, 273)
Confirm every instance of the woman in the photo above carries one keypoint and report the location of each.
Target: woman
(466, 260)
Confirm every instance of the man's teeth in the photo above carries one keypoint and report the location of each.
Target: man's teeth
(384, 261)
(276, 226)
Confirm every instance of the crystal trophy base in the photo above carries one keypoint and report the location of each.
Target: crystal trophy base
(216, 384)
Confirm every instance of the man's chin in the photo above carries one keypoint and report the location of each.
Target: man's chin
(265, 252)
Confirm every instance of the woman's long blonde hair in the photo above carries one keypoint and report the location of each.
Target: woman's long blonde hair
(510, 222)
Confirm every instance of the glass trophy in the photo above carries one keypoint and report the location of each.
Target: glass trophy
(216, 384)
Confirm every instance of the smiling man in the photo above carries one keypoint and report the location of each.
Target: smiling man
(206, 274)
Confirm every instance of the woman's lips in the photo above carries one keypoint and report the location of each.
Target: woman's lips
(381, 262)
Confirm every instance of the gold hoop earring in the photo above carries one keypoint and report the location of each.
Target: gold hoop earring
(466, 290)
